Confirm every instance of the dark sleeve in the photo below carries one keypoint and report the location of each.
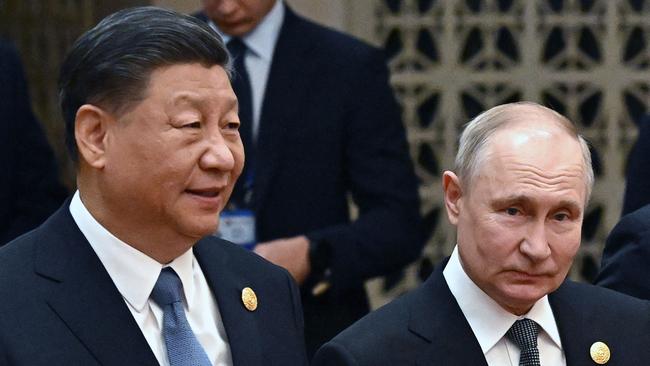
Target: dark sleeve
(298, 317)
(637, 174)
(625, 266)
(333, 354)
(31, 182)
(387, 233)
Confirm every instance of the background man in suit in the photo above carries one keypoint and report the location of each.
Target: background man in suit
(521, 183)
(624, 266)
(324, 125)
(30, 189)
(120, 275)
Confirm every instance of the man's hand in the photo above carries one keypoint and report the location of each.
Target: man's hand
(290, 253)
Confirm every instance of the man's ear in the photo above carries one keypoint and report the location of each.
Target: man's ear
(452, 193)
(90, 128)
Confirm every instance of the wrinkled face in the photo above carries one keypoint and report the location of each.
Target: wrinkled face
(173, 159)
(519, 226)
(237, 17)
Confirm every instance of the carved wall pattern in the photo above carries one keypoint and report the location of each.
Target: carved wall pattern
(452, 59)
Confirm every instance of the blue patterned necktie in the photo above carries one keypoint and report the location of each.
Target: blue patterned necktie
(183, 348)
(524, 334)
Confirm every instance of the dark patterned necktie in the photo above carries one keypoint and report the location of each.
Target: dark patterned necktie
(183, 348)
(524, 334)
(241, 85)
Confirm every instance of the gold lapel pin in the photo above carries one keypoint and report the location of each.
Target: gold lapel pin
(249, 299)
(599, 353)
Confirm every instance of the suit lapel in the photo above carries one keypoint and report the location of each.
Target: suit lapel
(283, 100)
(226, 282)
(572, 324)
(436, 317)
(84, 297)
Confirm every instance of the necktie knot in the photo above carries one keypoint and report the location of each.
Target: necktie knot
(523, 333)
(183, 349)
(237, 48)
(168, 288)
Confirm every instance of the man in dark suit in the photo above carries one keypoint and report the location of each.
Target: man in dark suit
(517, 197)
(30, 189)
(324, 126)
(624, 266)
(120, 275)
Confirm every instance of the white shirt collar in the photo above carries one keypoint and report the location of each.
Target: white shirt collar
(133, 272)
(488, 320)
(261, 40)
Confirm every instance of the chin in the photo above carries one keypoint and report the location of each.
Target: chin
(523, 297)
(199, 229)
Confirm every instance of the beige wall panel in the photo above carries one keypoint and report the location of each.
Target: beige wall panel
(184, 6)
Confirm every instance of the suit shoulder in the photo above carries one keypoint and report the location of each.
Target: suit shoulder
(17, 265)
(17, 252)
(330, 41)
(238, 257)
(637, 221)
(604, 300)
(383, 328)
(384, 337)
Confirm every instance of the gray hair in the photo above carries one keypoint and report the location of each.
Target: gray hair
(478, 132)
(110, 65)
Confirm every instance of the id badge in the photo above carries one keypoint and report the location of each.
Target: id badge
(238, 226)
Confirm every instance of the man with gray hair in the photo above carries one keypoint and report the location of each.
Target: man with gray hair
(517, 196)
(127, 272)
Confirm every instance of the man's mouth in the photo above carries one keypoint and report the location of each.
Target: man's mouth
(206, 192)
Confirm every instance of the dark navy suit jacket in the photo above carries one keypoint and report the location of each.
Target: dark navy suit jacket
(330, 127)
(625, 266)
(29, 184)
(427, 327)
(60, 307)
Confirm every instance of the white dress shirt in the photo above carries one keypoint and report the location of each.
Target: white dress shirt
(261, 44)
(135, 274)
(490, 322)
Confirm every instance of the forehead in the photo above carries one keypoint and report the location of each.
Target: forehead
(191, 76)
(534, 157)
(193, 83)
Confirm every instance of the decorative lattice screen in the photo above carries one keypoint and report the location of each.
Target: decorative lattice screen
(587, 59)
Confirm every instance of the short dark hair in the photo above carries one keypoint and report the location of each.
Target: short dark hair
(110, 65)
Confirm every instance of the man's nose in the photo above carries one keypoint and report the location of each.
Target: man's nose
(217, 155)
(226, 7)
(535, 244)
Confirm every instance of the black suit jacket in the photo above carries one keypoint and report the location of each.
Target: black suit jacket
(330, 127)
(60, 307)
(29, 184)
(625, 266)
(427, 327)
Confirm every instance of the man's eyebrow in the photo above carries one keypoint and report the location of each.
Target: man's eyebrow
(514, 198)
(571, 205)
(525, 200)
(186, 97)
(195, 99)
